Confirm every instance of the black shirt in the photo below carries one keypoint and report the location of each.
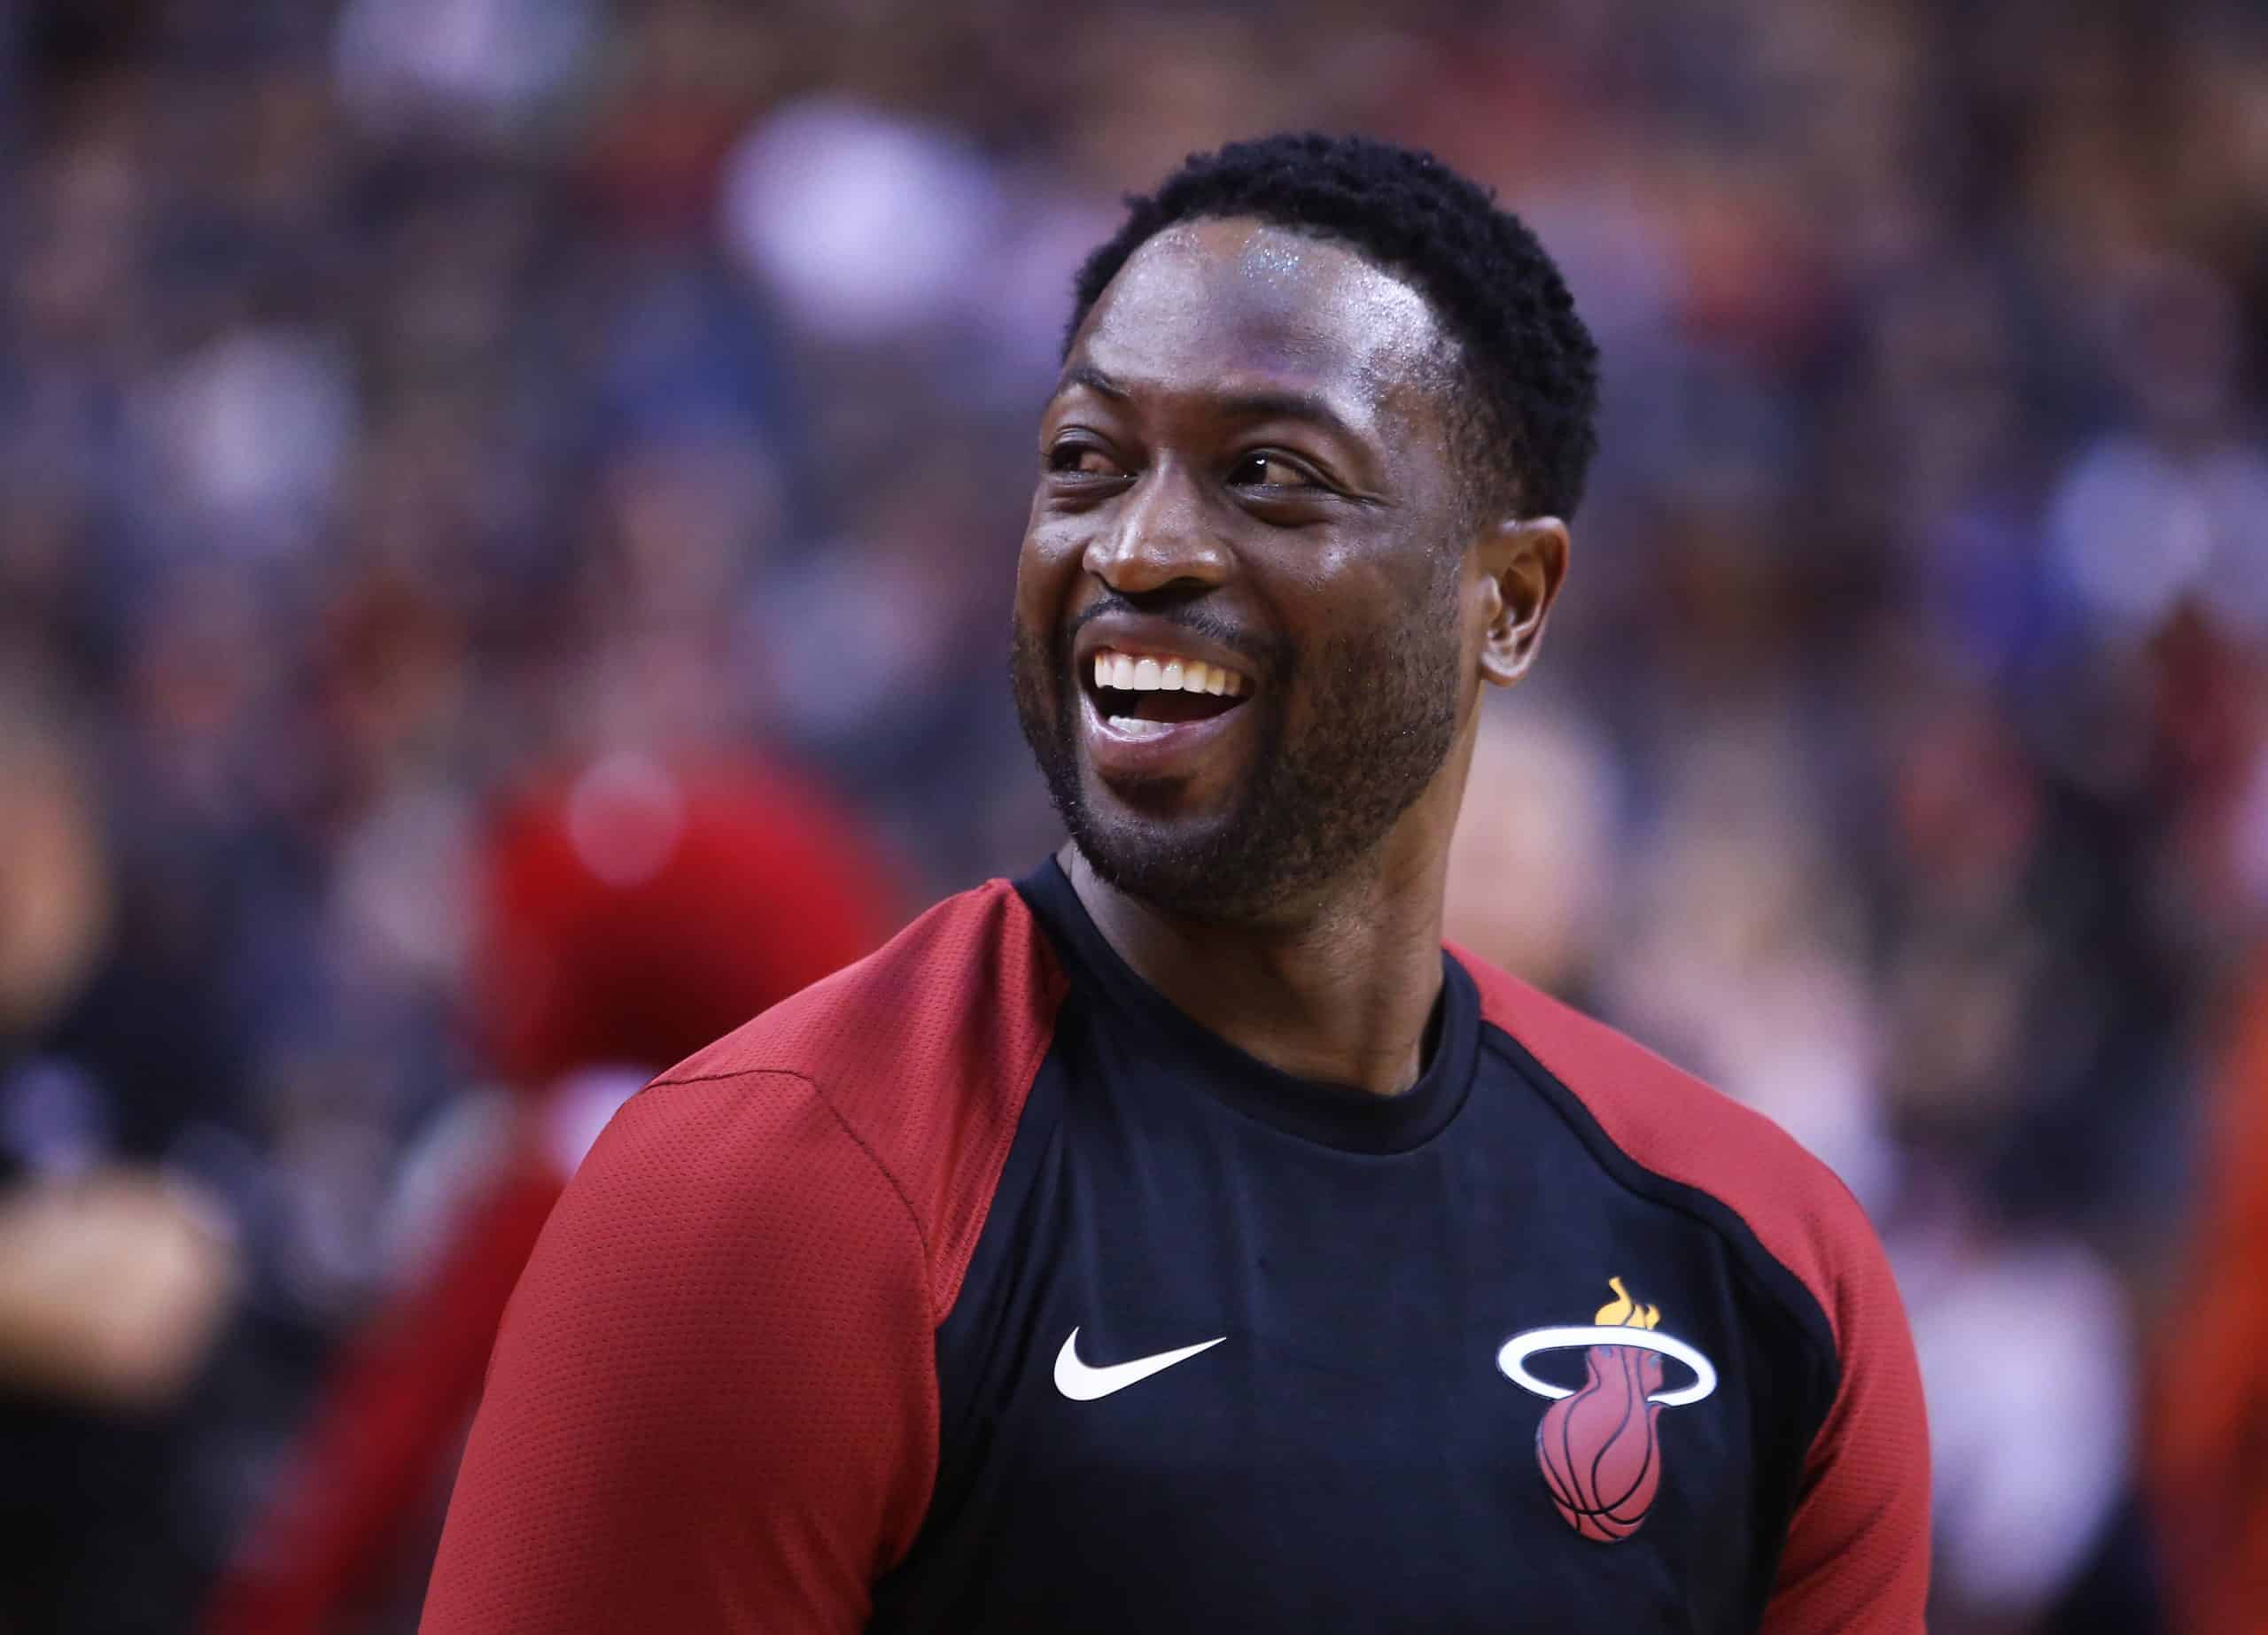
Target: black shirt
(1039, 1306)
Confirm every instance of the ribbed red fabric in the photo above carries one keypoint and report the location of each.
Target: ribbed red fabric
(1857, 1559)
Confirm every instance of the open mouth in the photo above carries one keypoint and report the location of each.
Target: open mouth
(1141, 694)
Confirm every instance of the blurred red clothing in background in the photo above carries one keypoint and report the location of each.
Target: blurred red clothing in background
(627, 915)
(2210, 1464)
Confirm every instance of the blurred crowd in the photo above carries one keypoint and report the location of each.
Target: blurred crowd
(405, 402)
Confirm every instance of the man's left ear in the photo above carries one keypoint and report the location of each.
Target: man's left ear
(1523, 561)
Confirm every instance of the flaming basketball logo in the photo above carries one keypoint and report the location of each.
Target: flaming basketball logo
(1599, 1444)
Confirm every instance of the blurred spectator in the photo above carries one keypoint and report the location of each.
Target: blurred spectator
(2182, 476)
(626, 917)
(115, 1275)
(1528, 864)
(2210, 1478)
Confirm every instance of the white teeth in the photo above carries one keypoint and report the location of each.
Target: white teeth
(1135, 726)
(1133, 674)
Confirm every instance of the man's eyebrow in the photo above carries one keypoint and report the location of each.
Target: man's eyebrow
(1092, 378)
(1286, 406)
(1259, 405)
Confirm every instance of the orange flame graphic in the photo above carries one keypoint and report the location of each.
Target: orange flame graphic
(1622, 1312)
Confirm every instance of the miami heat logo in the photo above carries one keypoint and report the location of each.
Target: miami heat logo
(1598, 1445)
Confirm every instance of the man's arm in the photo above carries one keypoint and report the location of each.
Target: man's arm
(712, 1405)
(1857, 1559)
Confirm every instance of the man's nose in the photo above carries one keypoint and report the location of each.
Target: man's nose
(1163, 537)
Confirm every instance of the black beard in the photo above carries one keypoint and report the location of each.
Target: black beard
(1380, 713)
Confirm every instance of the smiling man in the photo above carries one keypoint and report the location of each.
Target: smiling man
(1180, 1237)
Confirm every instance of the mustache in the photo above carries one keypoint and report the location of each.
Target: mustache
(1266, 658)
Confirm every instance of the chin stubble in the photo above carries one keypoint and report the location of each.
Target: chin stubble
(1380, 710)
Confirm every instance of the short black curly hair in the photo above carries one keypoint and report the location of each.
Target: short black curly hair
(1531, 368)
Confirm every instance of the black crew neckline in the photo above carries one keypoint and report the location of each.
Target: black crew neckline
(1344, 1116)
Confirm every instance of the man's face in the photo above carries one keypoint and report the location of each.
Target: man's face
(1245, 469)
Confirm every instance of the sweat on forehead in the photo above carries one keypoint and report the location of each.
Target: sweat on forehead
(1237, 296)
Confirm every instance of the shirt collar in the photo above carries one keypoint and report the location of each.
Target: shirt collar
(1334, 1115)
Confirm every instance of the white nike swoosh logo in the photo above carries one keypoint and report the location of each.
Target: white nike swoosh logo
(1076, 1380)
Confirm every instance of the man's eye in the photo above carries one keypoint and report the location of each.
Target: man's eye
(1266, 471)
(1080, 460)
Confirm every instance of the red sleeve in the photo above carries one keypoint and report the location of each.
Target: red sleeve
(712, 1406)
(1856, 1560)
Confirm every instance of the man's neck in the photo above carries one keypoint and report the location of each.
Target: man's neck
(1341, 995)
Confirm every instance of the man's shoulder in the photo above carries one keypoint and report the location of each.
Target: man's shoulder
(920, 1056)
(934, 1006)
(1673, 1127)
